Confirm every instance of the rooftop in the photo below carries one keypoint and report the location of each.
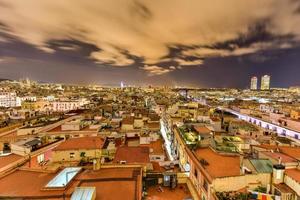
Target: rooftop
(278, 155)
(156, 147)
(8, 159)
(262, 165)
(294, 174)
(132, 154)
(202, 130)
(81, 143)
(31, 183)
(218, 165)
(291, 151)
(113, 183)
(179, 193)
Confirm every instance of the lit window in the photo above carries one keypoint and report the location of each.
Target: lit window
(278, 174)
(41, 158)
(72, 155)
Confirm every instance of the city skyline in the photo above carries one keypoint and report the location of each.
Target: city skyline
(144, 100)
(97, 42)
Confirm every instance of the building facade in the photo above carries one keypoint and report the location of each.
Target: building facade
(9, 99)
(253, 85)
(265, 82)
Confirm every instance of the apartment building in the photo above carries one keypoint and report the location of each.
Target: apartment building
(9, 99)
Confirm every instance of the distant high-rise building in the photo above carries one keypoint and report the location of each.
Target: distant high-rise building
(122, 84)
(265, 82)
(253, 83)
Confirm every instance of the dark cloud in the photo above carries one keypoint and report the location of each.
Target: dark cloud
(168, 39)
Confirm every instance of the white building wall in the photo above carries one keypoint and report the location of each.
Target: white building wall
(9, 99)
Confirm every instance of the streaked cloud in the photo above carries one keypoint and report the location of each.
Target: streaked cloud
(183, 62)
(69, 47)
(126, 29)
(156, 70)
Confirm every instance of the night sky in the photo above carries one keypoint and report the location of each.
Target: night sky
(200, 43)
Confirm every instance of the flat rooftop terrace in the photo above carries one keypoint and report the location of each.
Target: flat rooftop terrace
(181, 192)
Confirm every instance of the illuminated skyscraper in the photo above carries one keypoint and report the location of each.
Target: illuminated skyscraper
(253, 83)
(265, 82)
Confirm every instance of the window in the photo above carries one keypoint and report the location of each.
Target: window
(72, 155)
(82, 154)
(41, 158)
(278, 174)
(196, 173)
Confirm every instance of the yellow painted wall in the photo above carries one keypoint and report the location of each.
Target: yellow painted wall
(238, 182)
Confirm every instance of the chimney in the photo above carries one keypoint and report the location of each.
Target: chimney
(278, 173)
(279, 160)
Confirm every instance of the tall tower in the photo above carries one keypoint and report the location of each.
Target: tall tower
(253, 85)
(265, 82)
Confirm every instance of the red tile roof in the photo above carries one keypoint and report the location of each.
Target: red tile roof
(23, 183)
(112, 190)
(291, 151)
(156, 147)
(81, 143)
(277, 155)
(294, 174)
(6, 160)
(218, 165)
(111, 183)
(132, 154)
(179, 193)
(104, 173)
(114, 183)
